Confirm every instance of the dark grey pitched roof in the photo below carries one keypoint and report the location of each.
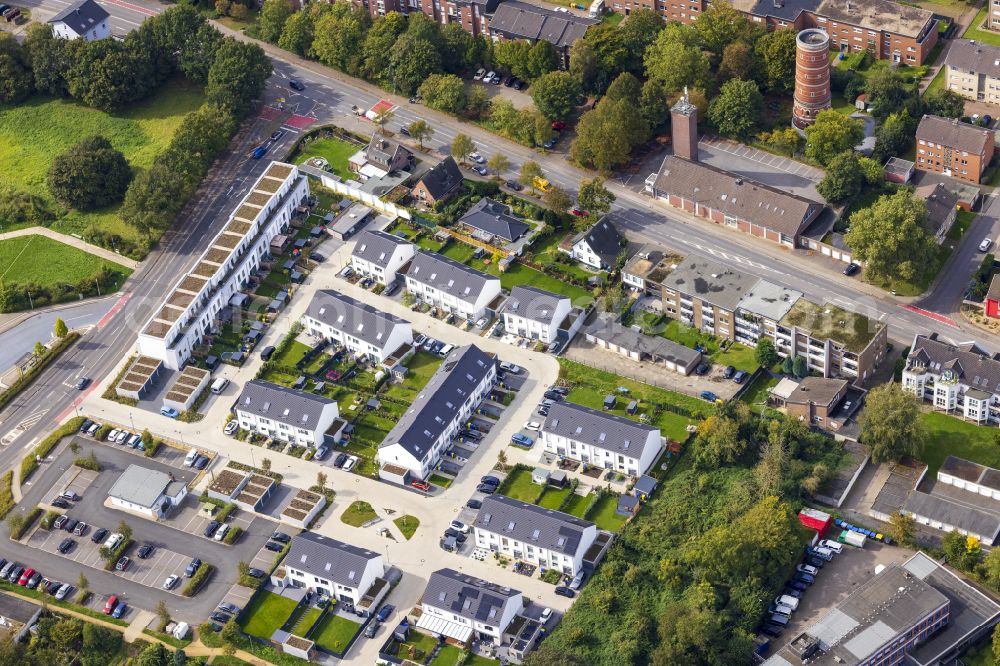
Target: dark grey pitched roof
(522, 20)
(970, 56)
(377, 247)
(941, 204)
(438, 403)
(81, 16)
(645, 484)
(353, 317)
(604, 239)
(972, 365)
(443, 178)
(384, 152)
(468, 597)
(786, 10)
(494, 218)
(533, 303)
(532, 524)
(607, 329)
(282, 404)
(328, 558)
(956, 514)
(955, 134)
(448, 275)
(605, 431)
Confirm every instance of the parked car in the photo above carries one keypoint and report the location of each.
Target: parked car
(170, 582)
(220, 534)
(70, 495)
(480, 73)
(231, 428)
(169, 412)
(474, 504)
(201, 462)
(510, 367)
(80, 529)
(796, 585)
(771, 630)
(192, 567)
(565, 592)
(851, 269)
(63, 590)
(709, 396)
(481, 170)
(533, 425)
(229, 608)
(740, 376)
(490, 480)
(806, 568)
(267, 352)
(295, 84)
(804, 578)
(25, 576)
(70, 524)
(110, 604)
(420, 485)
(119, 610)
(821, 553)
(514, 185)
(558, 125)
(85, 426)
(486, 489)
(99, 534)
(456, 535)
(985, 245)
(521, 440)
(578, 213)
(477, 158)
(122, 563)
(281, 537)
(273, 546)
(145, 551)
(210, 528)
(60, 503)
(256, 573)
(340, 460)
(460, 526)
(577, 581)
(65, 545)
(58, 523)
(814, 562)
(350, 463)
(219, 617)
(550, 144)
(835, 546)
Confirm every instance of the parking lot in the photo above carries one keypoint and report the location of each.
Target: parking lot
(835, 581)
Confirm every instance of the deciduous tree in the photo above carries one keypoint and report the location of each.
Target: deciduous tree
(16, 78)
(890, 237)
(890, 424)
(776, 50)
(237, 76)
(412, 61)
(298, 33)
(902, 528)
(765, 354)
(594, 197)
(736, 112)
(832, 134)
(555, 94)
(944, 102)
(271, 19)
(843, 179)
(676, 59)
(530, 171)
(557, 199)
(738, 61)
(90, 175)
(421, 131)
(721, 25)
(461, 146)
(498, 163)
(444, 92)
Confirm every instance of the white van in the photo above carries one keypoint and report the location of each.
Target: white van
(786, 600)
(445, 351)
(113, 541)
(220, 534)
(190, 457)
(219, 385)
(181, 630)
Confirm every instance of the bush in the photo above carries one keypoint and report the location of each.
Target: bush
(90, 462)
(198, 579)
(47, 519)
(111, 555)
(25, 380)
(233, 535)
(24, 523)
(90, 175)
(102, 433)
(28, 464)
(6, 493)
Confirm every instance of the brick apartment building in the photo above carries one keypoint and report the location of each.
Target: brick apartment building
(891, 31)
(993, 18)
(473, 15)
(953, 148)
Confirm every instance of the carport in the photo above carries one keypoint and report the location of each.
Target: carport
(443, 627)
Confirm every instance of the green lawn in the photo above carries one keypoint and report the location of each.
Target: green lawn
(521, 487)
(266, 614)
(950, 435)
(962, 222)
(33, 133)
(520, 274)
(448, 656)
(292, 355)
(223, 660)
(589, 386)
(358, 513)
(756, 395)
(307, 620)
(442, 481)
(422, 366)
(739, 356)
(604, 515)
(577, 505)
(48, 262)
(974, 31)
(335, 632)
(407, 524)
(335, 151)
(553, 498)
(418, 641)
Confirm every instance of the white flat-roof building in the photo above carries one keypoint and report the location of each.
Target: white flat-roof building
(533, 533)
(147, 492)
(360, 328)
(380, 255)
(190, 309)
(600, 439)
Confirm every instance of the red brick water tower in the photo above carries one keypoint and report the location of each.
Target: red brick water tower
(812, 76)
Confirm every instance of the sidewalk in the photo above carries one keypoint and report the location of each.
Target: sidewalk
(73, 241)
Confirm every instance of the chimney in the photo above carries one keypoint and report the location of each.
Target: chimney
(684, 128)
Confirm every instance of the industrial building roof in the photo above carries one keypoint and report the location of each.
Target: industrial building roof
(140, 485)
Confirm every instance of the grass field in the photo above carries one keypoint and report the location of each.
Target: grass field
(553, 497)
(756, 395)
(306, 620)
(604, 515)
(358, 514)
(48, 262)
(949, 435)
(577, 505)
(141, 132)
(335, 632)
(335, 151)
(266, 614)
(975, 32)
(407, 525)
(521, 486)
(589, 386)
(448, 656)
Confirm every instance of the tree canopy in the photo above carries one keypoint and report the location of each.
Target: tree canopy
(890, 424)
(90, 175)
(890, 238)
(737, 111)
(831, 134)
(555, 94)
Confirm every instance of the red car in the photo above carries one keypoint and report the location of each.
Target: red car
(558, 125)
(580, 213)
(110, 606)
(420, 485)
(28, 573)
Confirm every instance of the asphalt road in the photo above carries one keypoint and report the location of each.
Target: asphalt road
(329, 96)
(20, 339)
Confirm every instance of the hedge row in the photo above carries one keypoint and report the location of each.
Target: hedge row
(29, 463)
(198, 579)
(6, 493)
(592, 504)
(232, 535)
(25, 380)
(17, 530)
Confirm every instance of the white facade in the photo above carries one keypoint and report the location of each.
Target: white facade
(275, 428)
(517, 323)
(224, 269)
(351, 593)
(493, 629)
(566, 447)
(569, 563)
(99, 31)
(387, 271)
(392, 336)
(472, 307)
(582, 252)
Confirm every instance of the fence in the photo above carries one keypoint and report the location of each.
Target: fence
(333, 183)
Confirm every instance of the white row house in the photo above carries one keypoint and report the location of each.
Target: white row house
(460, 607)
(380, 256)
(534, 313)
(331, 568)
(360, 328)
(285, 414)
(532, 533)
(441, 409)
(442, 282)
(223, 270)
(603, 440)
